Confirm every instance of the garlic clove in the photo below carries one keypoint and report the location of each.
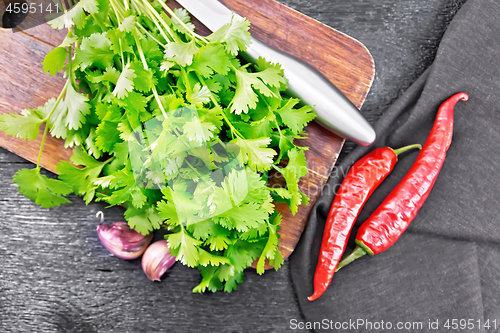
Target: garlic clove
(122, 241)
(157, 260)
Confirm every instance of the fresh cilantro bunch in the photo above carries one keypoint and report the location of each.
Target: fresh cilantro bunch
(175, 128)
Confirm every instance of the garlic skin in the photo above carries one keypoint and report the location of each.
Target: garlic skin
(122, 241)
(157, 260)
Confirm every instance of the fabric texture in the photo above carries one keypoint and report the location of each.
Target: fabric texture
(445, 266)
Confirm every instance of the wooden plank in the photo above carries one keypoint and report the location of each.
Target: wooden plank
(343, 60)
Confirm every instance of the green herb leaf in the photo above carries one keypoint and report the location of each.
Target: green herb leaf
(184, 247)
(234, 36)
(256, 153)
(143, 220)
(43, 191)
(180, 52)
(125, 83)
(25, 126)
(245, 98)
(81, 179)
(296, 119)
(55, 60)
(70, 114)
(210, 59)
(95, 51)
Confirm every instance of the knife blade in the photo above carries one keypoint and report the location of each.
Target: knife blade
(333, 109)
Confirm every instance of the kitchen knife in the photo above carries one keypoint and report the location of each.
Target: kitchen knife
(334, 110)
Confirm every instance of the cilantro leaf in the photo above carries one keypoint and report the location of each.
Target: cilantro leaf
(25, 126)
(151, 49)
(297, 162)
(81, 179)
(183, 15)
(245, 216)
(242, 254)
(202, 229)
(168, 212)
(70, 114)
(234, 35)
(206, 258)
(210, 59)
(256, 153)
(199, 95)
(107, 133)
(128, 23)
(296, 168)
(126, 189)
(180, 52)
(245, 98)
(125, 83)
(296, 119)
(218, 242)
(143, 81)
(256, 129)
(55, 60)
(233, 281)
(95, 51)
(121, 41)
(184, 247)
(143, 220)
(199, 131)
(271, 251)
(92, 148)
(41, 189)
(209, 279)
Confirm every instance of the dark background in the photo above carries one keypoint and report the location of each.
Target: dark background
(55, 276)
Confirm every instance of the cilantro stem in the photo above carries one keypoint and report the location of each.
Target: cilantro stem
(46, 120)
(121, 8)
(121, 53)
(119, 39)
(71, 77)
(62, 5)
(141, 53)
(151, 35)
(116, 11)
(158, 18)
(278, 127)
(160, 29)
(172, 14)
(274, 116)
(157, 98)
(146, 67)
(99, 23)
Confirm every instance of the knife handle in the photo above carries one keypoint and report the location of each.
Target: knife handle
(334, 110)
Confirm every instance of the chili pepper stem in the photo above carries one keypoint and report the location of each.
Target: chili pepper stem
(406, 148)
(357, 253)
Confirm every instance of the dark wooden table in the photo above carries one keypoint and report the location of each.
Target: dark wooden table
(56, 277)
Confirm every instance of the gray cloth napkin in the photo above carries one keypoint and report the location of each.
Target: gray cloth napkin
(446, 265)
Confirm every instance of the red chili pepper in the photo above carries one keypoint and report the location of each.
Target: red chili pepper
(383, 228)
(360, 182)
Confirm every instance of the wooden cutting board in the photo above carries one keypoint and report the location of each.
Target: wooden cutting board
(342, 59)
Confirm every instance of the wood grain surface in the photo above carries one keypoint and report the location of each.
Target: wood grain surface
(56, 277)
(343, 60)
